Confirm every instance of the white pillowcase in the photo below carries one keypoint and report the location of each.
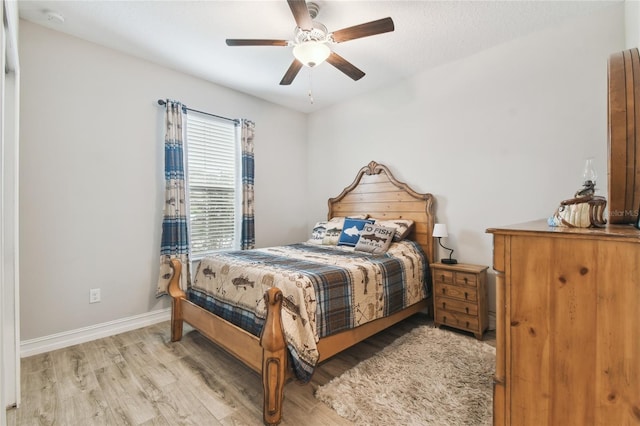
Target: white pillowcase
(318, 233)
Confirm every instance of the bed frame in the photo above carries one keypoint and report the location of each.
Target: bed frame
(375, 192)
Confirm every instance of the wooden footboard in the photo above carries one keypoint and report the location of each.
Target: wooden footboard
(266, 355)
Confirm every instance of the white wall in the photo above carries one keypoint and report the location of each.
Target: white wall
(498, 138)
(91, 177)
(632, 21)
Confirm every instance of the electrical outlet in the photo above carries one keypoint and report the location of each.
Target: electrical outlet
(94, 295)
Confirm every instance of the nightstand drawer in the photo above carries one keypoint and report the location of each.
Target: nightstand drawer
(455, 292)
(442, 276)
(463, 278)
(457, 306)
(456, 319)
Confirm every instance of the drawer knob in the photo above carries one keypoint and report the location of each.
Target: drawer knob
(466, 295)
(444, 290)
(444, 305)
(444, 319)
(466, 309)
(467, 324)
(442, 277)
(465, 280)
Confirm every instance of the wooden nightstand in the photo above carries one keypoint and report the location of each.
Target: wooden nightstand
(460, 297)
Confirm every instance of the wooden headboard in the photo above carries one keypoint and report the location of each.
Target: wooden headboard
(377, 193)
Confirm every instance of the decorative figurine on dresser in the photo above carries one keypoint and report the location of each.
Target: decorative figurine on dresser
(585, 209)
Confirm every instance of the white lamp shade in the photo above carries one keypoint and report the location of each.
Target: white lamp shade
(440, 230)
(311, 53)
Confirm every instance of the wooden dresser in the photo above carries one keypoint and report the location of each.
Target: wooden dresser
(568, 325)
(460, 297)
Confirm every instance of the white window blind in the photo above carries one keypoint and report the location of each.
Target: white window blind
(212, 169)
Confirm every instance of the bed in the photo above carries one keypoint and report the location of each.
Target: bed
(288, 332)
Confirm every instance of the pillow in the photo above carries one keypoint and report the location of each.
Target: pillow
(402, 227)
(318, 233)
(351, 231)
(334, 229)
(375, 239)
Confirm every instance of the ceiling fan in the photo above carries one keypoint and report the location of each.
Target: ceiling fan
(311, 41)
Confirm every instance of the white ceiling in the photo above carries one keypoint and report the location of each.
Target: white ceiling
(189, 36)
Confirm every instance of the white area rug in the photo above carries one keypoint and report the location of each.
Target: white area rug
(426, 377)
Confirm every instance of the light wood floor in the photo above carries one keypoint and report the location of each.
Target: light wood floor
(141, 378)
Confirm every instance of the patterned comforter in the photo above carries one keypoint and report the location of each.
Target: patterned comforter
(326, 289)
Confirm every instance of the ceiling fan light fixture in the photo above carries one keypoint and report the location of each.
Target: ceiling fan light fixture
(311, 53)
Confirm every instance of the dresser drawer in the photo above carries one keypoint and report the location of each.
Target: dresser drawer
(443, 276)
(455, 292)
(462, 278)
(457, 306)
(457, 320)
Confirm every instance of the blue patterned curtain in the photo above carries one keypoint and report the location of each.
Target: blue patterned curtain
(175, 237)
(248, 238)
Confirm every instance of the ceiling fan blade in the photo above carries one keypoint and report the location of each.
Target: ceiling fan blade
(255, 42)
(301, 13)
(291, 73)
(380, 26)
(345, 66)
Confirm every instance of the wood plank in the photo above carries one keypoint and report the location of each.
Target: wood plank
(571, 305)
(617, 381)
(528, 325)
(124, 394)
(501, 248)
(176, 403)
(156, 421)
(159, 340)
(101, 353)
(90, 408)
(40, 398)
(211, 391)
(623, 138)
(617, 126)
(389, 207)
(36, 363)
(629, 171)
(634, 202)
(139, 356)
(379, 195)
(74, 371)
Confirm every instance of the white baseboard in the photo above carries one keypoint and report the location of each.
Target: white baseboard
(73, 337)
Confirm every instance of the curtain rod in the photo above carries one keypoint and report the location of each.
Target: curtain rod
(235, 120)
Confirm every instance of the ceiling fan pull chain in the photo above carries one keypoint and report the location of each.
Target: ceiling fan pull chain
(310, 88)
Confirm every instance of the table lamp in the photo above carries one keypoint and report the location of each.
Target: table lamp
(440, 231)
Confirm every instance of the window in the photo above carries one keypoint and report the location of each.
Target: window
(213, 181)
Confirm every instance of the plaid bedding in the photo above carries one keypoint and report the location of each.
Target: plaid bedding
(327, 289)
